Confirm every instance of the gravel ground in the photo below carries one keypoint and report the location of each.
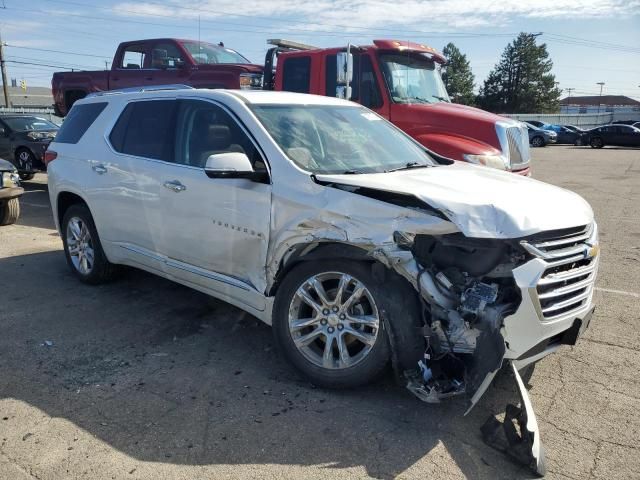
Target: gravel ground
(145, 379)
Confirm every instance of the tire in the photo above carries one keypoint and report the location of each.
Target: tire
(537, 142)
(9, 211)
(596, 142)
(380, 303)
(89, 264)
(25, 160)
(25, 177)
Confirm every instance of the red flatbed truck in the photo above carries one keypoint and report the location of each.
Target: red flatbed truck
(401, 81)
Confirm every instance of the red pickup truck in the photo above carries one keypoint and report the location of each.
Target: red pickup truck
(401, 81)
(159, 61)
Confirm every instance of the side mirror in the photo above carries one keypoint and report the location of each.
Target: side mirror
(229, 165)
(344, 74)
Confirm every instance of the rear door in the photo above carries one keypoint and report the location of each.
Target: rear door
(133, 70)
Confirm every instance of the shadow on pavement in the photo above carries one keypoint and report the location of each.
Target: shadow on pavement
(35, 207)
(166, 374)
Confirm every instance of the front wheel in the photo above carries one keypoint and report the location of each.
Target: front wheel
(25, 160)
(9, 211)
(328, 322)
(596, 142)
(537, 142)
(82, 247)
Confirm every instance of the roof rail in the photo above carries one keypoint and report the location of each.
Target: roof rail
(153, 88)
(282, 43)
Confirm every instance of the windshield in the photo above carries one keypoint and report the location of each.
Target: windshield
(413, 79)
(24, 124)
(207, 53)
(331, 139)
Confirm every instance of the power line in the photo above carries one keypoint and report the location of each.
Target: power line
(59, 51)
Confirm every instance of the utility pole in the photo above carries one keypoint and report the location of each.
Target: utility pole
(3, 67)
(600, 96)
(571, 89)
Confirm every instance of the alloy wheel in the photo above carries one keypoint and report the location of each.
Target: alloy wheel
(80, 245)
(333, 320)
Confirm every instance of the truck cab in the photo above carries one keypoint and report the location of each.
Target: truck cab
(401, 81)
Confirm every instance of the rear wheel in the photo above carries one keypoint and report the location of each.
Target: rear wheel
(9, 211)
(537, 142)
(329, 322)
(596, 142)
(82, 247)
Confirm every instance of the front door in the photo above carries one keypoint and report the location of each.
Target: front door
(216, 231)
(167, 66)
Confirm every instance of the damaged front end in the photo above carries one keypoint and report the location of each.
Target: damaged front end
(467, 288)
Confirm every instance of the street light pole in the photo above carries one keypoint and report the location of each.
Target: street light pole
(600, 96)
(569, 98)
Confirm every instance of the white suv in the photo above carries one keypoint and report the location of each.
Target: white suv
(321, 218)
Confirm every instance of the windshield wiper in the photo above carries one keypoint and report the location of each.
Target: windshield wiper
(442, 99)
(409, 166)
(352, 172)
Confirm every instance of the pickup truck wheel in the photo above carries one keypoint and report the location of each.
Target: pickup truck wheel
(596, 142)
(9, 211)
(329, 322)
(537, 142)
(82, 247)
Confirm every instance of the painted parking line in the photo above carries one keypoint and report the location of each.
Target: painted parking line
(619, 292)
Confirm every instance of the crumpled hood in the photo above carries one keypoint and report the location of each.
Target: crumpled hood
(482, 202)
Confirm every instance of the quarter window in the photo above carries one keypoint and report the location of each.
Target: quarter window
(296, 74)
(206, 129)
(146, 129)
(80, 118)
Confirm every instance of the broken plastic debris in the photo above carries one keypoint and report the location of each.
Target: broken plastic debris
(47, 343)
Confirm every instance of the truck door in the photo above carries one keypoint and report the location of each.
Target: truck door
(132, 67)
(365, 87)
(167, 65)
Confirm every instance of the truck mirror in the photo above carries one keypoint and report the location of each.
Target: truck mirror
(344, 74)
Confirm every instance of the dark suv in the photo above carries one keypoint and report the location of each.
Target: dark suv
(10, 190)
(23, 141)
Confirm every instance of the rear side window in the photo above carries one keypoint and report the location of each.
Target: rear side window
(296, 74)
(146, 129)
(80, 118)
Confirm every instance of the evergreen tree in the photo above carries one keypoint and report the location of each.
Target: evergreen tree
(457, 75)
(522, 81)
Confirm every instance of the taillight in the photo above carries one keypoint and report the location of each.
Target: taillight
(49, 156)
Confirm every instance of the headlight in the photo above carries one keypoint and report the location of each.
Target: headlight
(10, 179)
(38, 135)
(493, 161)
(250, 81)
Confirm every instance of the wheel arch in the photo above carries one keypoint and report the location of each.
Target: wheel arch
(65, 200)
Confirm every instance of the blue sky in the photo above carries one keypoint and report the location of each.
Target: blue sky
(589, 41)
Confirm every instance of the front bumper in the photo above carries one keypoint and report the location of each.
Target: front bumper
(528, 334)
(8, 193)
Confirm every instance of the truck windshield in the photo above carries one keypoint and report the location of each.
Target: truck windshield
(413, 78)
(207, 53)
(336, 139)
(29, 124)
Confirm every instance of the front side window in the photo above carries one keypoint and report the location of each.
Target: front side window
(206, 129)
(330, 139)
(80, 118)
(133, 57)
(166, 55)
(204, 53)
(413, 78)
(146, 129)
(296, 74)
(364, 86)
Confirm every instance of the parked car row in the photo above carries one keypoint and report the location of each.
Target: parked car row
(622, 134)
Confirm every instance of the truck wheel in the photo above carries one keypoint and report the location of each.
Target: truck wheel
(82, 247)
(537, 142)
(9, 211)
(24, 160)
(26, 176)
(596, 142)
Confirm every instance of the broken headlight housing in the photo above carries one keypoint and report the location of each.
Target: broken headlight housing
(10, 179)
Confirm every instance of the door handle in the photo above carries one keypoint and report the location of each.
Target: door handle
(175, 186)
(99, 169)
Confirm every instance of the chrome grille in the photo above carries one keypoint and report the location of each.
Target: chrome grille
(518, 144)
(567, 282)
